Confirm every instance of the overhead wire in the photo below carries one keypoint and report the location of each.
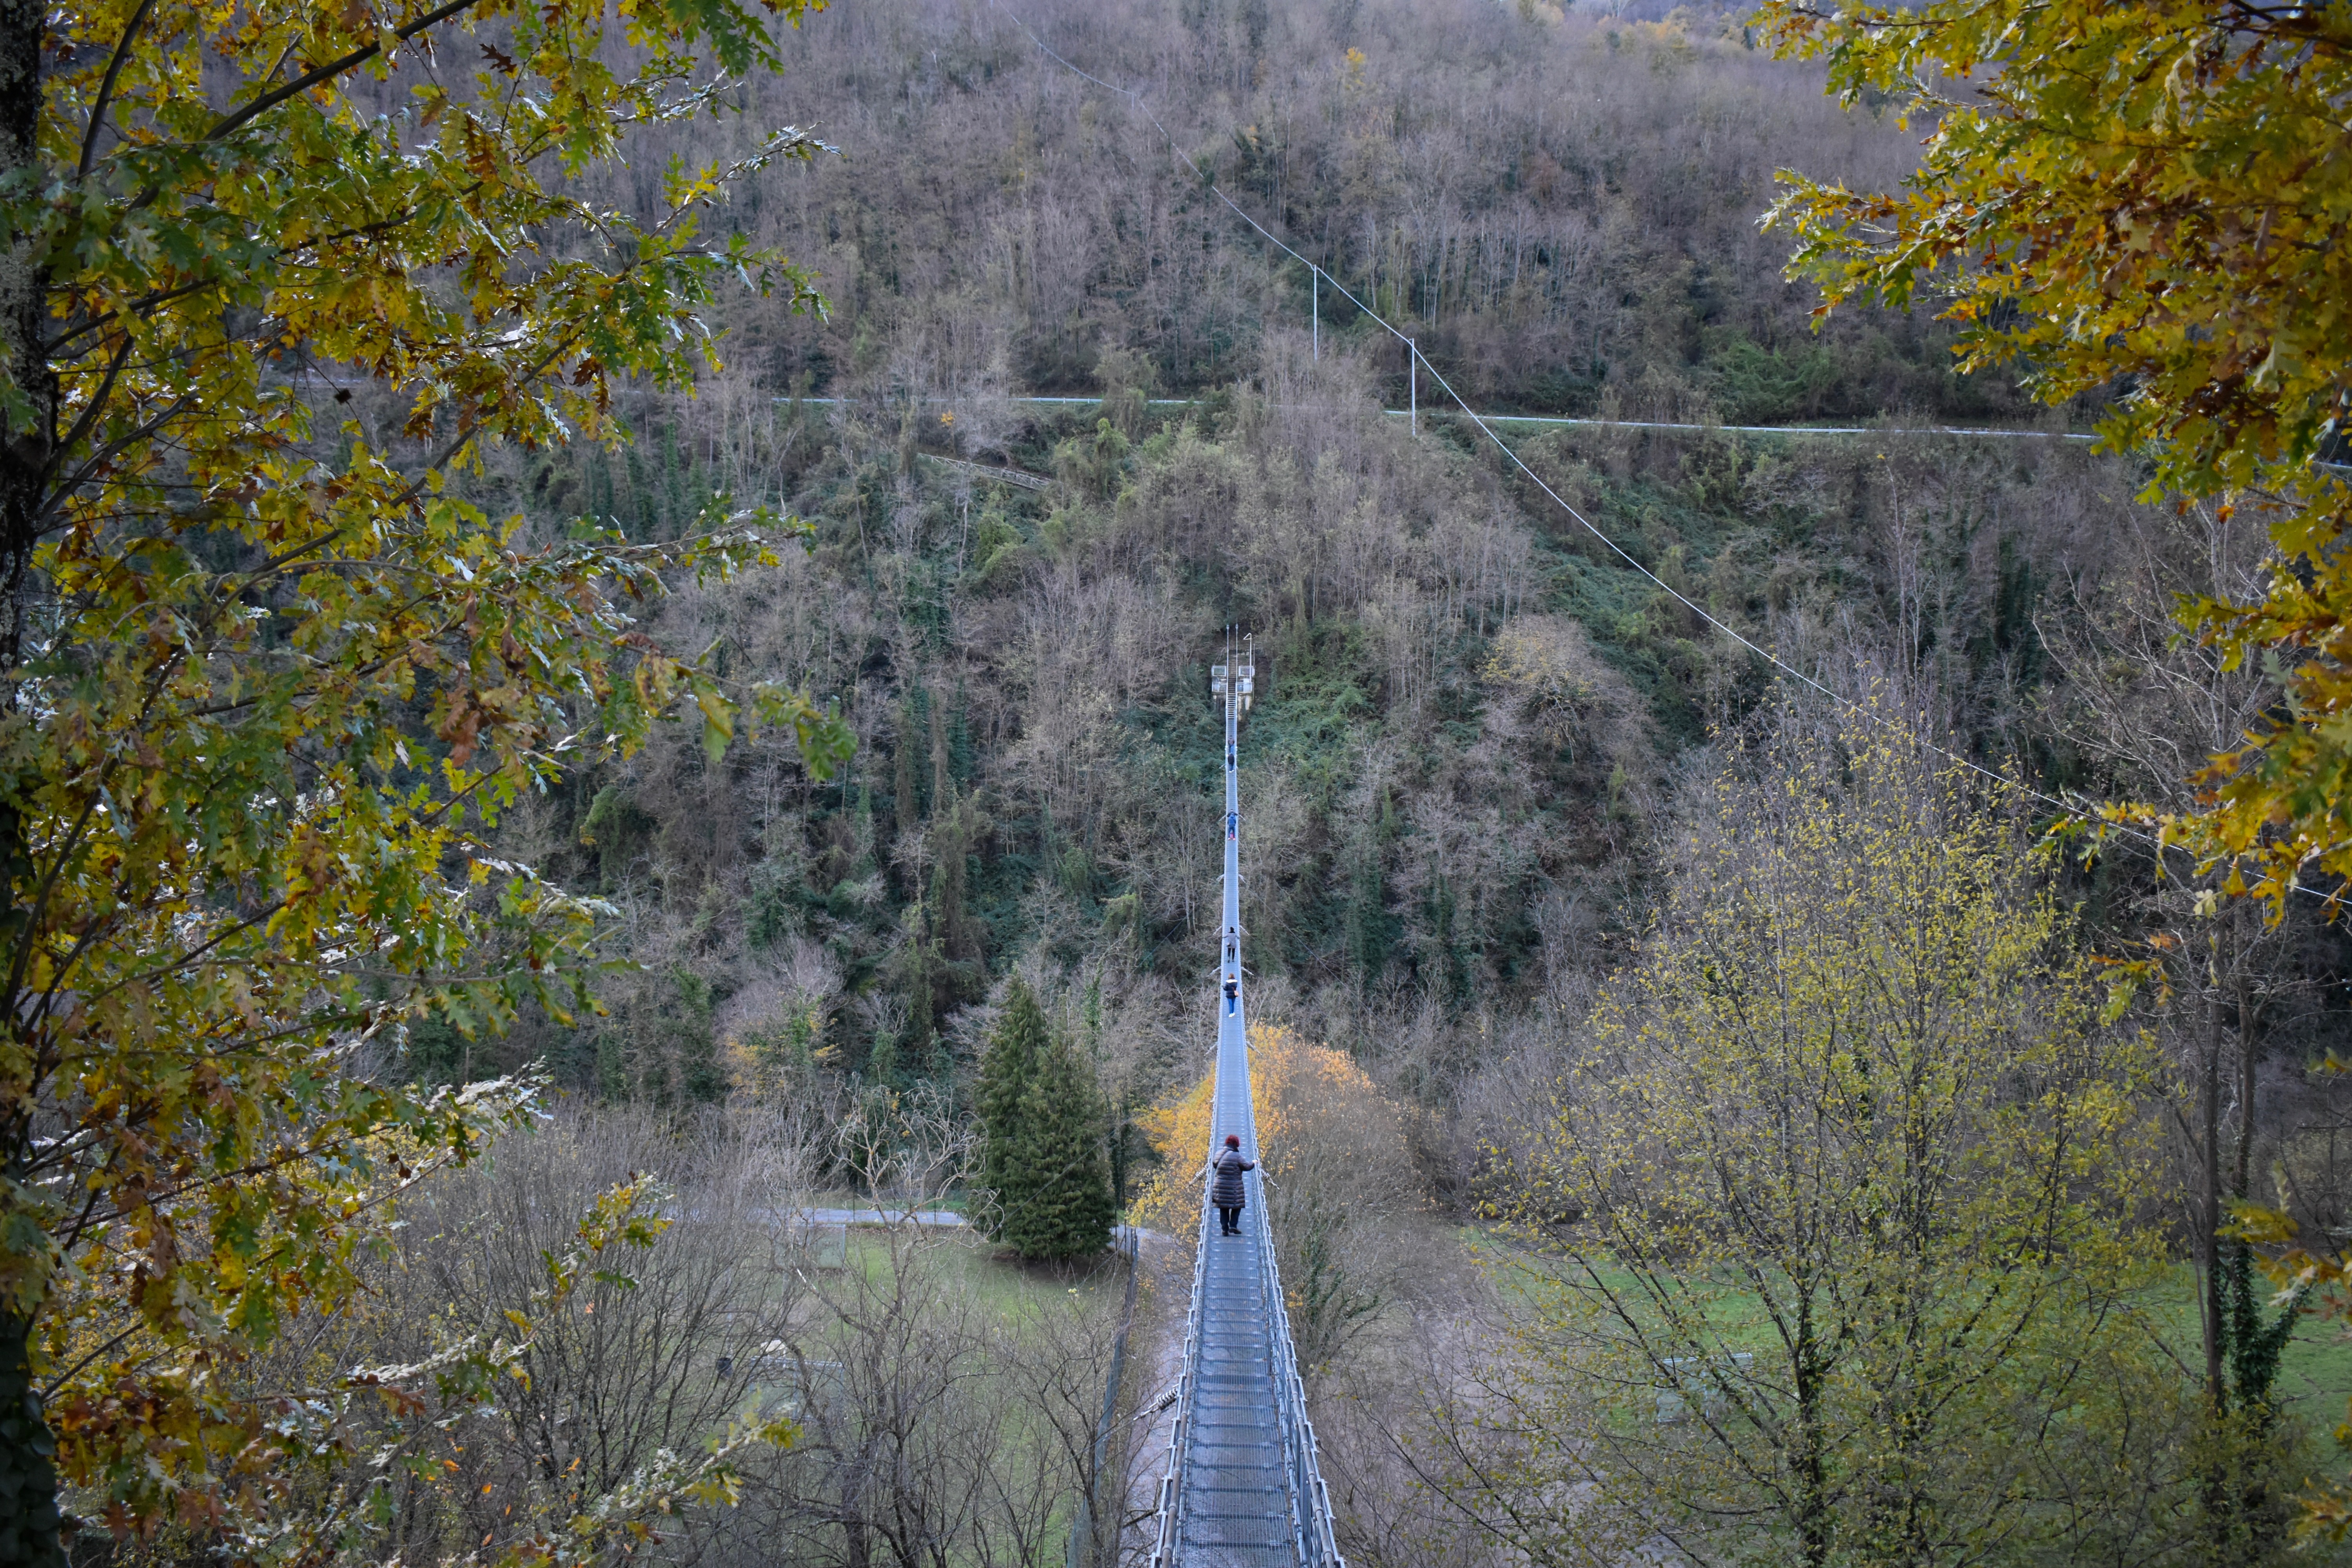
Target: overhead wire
(1135, 97)
(1983, 432)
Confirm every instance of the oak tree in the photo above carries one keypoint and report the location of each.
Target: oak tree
(2146, 200)
(267, 680)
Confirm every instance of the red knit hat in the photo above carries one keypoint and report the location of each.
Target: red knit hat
(1232, 1140)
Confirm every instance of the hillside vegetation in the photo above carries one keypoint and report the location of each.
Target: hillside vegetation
(1563, 214)
(1609, 855)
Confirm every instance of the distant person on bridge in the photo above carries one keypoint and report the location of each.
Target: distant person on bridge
(1225, 1192)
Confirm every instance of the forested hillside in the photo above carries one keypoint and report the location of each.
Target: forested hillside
(1466, 773)
(1475, 714)
(1563, 214)
(1682, 931)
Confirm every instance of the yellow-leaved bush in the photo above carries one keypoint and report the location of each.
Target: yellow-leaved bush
(1835, 1216)
(1338, 1169)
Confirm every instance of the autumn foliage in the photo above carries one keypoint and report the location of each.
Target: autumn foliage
(267, 686)
(2145, 204)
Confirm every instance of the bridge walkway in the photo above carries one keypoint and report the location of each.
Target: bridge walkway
(1242, 1488)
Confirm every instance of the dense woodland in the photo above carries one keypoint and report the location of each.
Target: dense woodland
(1477, 719)
(1505, 799)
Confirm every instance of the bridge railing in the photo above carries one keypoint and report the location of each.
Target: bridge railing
(1313, 1536)
(1164, 1540)
(1310, 1499)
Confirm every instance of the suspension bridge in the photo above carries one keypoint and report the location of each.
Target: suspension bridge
(1243, 1487)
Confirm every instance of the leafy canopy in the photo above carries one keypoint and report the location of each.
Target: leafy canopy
(1834, 1202)
(2149, 198)
(271, 680)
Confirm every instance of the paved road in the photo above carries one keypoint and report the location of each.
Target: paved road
(946, 1217)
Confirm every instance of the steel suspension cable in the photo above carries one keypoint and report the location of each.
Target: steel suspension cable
(2071, 809)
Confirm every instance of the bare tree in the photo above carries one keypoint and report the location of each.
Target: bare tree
(936, 1428)
(2153, 707)
(654, 1354)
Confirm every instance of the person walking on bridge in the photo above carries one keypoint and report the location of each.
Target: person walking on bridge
(1225, 1191)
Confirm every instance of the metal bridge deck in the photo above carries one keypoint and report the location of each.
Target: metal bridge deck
(1234, 1497)
(1242, 1488)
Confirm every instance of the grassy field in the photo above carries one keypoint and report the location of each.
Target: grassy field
(2315, 1377)
(1000, 1282)
(2315, 1374)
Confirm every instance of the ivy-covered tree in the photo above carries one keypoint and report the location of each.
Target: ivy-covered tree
(266, 681)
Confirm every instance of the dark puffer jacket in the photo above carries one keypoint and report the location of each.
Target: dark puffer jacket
(1225, 1191)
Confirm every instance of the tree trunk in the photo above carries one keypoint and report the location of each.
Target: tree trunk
(28, 1480)
(2248, 1023)
(1816, 1526)
(29, 1475)
(24, 287)
(2209, 1228)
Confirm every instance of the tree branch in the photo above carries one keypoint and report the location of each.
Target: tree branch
(309, 80)
(106, 88)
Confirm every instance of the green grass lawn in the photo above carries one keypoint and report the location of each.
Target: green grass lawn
(2315, 1376)
(1003, 1286)
(1002, 1283)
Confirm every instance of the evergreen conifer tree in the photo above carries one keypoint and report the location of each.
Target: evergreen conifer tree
(882, 1058)
(1056, 1202)
(1014, 1049)
(961, 754)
